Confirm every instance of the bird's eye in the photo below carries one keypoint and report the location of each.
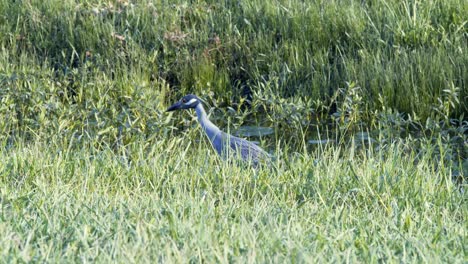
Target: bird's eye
(184, 100)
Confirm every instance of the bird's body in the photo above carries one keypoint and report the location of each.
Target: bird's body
(227, 146)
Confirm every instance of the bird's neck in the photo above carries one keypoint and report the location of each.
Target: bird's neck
(210, 129)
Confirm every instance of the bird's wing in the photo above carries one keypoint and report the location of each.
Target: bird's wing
(247, 150)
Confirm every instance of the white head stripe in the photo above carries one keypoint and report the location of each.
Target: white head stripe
(193, 100)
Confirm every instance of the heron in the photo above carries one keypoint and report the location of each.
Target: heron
(226, 145)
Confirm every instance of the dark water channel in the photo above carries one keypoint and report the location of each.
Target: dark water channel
(449, 143)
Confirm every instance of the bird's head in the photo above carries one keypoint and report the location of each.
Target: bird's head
(188, 101)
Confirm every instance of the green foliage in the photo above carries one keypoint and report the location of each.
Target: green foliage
(392, 204)
(93, 169)
(408, 52)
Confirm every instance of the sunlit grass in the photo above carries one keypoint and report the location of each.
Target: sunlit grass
(93, 169)
(173, 203)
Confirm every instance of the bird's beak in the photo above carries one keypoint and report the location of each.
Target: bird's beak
(174, 107)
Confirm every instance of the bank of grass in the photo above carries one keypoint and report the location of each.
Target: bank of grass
(175, 201)
(408, 52)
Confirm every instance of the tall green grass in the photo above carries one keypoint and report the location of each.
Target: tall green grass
(175, 201)
(94, 170)
(408, 52)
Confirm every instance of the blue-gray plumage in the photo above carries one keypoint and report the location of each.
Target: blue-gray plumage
(226, 146)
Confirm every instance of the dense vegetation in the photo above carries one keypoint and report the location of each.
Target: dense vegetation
(93, 169)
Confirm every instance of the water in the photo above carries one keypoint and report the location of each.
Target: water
(253, 131)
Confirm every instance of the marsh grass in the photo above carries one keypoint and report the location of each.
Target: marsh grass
(170, 202)
(407, 52)
(93, 170)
